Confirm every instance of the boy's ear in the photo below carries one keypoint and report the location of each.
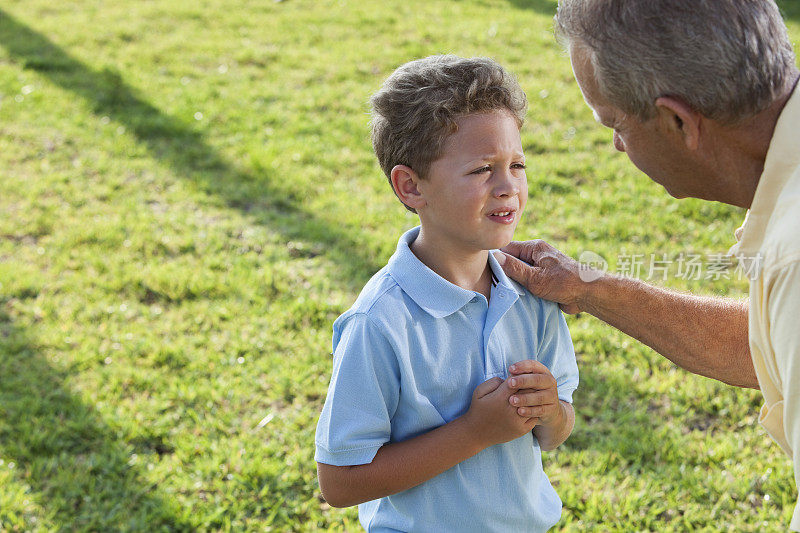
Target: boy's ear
(404, 181)
(680, 118)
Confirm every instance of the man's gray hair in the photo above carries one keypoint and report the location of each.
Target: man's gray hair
(727, 59)
(416, 109)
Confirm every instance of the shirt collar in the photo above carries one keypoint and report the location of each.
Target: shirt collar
(434, 294)
(503, 281)
(783, 156)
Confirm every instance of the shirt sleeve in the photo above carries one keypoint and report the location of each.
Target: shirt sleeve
(556, 351)
(783, 304)
(362, 395)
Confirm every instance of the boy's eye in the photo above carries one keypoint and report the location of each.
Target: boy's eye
(487, 168)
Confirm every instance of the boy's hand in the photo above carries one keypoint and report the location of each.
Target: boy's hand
(534, 391)
(493, 417)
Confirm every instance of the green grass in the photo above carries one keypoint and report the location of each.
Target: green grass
(189, 199)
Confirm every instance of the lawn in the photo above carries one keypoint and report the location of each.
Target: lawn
(189, 199)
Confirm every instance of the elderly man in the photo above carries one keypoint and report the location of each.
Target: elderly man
(701, 96)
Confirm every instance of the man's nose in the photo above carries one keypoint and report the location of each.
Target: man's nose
(618, 144)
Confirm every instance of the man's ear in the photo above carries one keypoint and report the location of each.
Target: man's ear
(678, 116)
(404, 181)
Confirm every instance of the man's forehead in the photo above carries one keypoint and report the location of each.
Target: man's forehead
(584, 72)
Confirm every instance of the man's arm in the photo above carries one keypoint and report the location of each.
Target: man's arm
(402, 465)
(706, 336)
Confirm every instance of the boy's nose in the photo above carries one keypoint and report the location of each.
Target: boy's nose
(507, 185)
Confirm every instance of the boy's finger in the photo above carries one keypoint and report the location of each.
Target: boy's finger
(533, 412)
(531, 381)
(488, 386)
(530, 399)
(525, 412)
(528, 366)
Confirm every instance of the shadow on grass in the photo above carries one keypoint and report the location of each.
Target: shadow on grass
(790, 9)
(74, 463)
(546, 7)
(617, 420)
(633, 429)
(77, 465)
(175, 143)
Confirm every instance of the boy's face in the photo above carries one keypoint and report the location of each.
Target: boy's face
(475, 192)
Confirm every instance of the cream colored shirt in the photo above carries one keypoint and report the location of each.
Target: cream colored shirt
(769, 248)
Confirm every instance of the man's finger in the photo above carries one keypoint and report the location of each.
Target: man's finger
(514, 248)
(518, 270)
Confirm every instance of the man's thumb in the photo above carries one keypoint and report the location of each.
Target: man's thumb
(515, 269)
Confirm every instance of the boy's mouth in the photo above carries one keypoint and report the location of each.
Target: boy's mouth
(503, 215)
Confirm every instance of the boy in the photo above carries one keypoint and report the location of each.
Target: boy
(421, 428)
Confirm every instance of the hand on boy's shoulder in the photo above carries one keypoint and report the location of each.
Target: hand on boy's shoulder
(544, 271)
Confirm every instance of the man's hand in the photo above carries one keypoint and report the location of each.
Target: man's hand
(491, 415)
(535, 392)
(546, 272)
(706, 336)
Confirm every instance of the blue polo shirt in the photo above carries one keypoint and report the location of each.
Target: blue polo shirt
(407, 357)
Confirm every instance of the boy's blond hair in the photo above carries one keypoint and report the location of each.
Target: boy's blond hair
(416, 109)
